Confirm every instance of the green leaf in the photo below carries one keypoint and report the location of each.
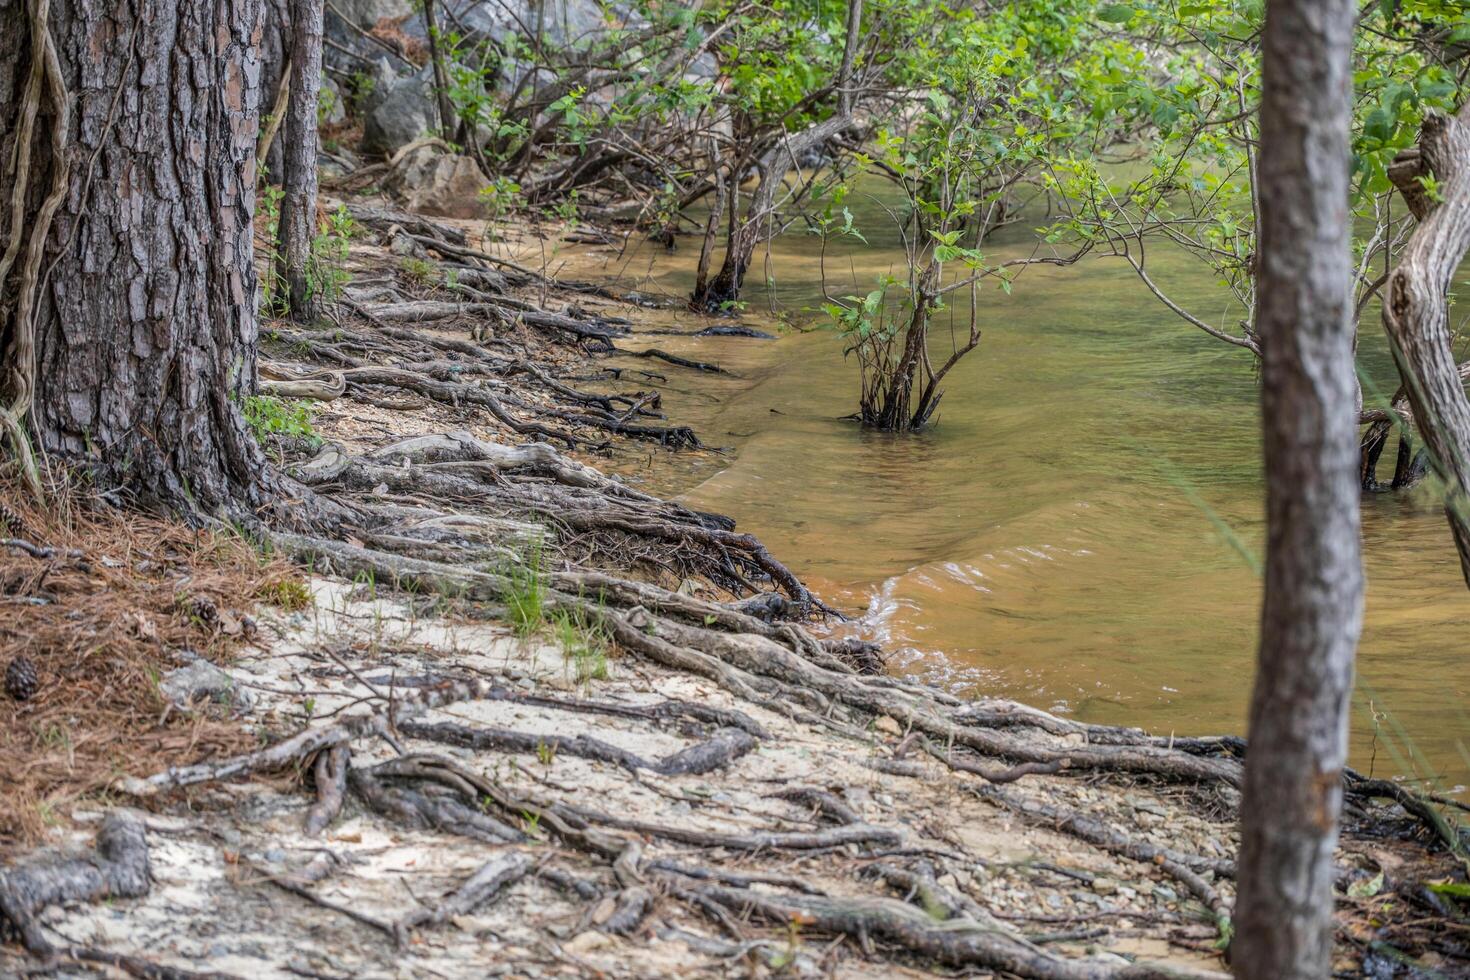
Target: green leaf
(1366, 887)
(1454, 889)
(1116, 13)
(1379, 125)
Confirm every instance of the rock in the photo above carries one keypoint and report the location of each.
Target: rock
(430, 181)
(331, 104)
(560, 23)
(1104, 886)
(588, 942)
(887, 726)
(203, 681)
(399, 110)
(405, 247)
(366, 13)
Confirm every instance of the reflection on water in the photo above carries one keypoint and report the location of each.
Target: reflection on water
(1079, 529)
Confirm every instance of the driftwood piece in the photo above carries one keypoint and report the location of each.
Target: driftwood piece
(662, 355)
(1416, 312)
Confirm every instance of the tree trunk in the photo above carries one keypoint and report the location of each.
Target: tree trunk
(749, 231)
(275, 45)
(845, 90)
(1314, 581)
(441, 73)
(1416, 313)
(144, 321)
(298, 223)
(745, 234)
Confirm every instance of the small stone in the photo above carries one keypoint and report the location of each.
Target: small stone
(587, 942)
(203, 681)
(888, 726)
(1104, 886)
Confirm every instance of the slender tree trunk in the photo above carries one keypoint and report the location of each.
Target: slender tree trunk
(1416, 311)
(747, 232)
(441, 73)
(1314, 579)
(845, 90)
(298, 224)
(275, 69)
(143, 320)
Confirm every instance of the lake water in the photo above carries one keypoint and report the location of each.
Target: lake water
(1078, 530)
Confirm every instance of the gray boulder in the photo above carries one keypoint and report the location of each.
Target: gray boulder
(366, 13)
(332, 104)
(399, 110)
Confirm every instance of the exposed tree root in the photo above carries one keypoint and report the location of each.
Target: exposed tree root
(119, 868)
(493, 877)
(1184, 868)
(716, 752)
(774, 840)
(133, 966)
(471, 519)
(956, 942)
(330, 772)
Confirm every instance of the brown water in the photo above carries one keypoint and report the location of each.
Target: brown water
(1080, 528)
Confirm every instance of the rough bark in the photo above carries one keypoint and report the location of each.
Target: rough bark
(1313, 590)
(144, 323)
(298, 223)
(1416, 310)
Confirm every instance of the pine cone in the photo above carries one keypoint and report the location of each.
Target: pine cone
(11, 523)
(20, 679)
(203, 609)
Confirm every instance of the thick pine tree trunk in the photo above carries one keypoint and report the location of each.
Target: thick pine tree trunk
(298, 223)
(144, 319)
(1314, 579)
